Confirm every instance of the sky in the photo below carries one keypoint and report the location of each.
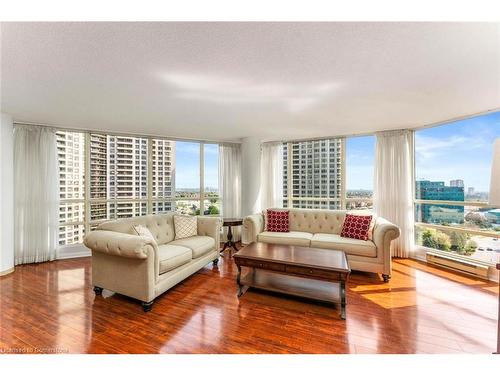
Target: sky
(360, 155)
(187, 165)
(459, 150)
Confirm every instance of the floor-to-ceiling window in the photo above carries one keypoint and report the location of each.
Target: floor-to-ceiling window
(360, 155)
(104, 177)
(313, 173)
(452, 179)
(187, 178)
(71, 159)
(211, 198)
(329, 173)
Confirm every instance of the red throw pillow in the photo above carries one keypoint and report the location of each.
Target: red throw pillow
(356, 226)
(277, 221)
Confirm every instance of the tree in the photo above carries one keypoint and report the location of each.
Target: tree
(428, 238)
(436, 240)
(458, 241)
(470, 247)
(213, 210)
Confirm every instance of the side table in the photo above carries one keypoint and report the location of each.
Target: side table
(229, 223)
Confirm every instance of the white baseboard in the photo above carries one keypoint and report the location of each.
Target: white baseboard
(73, 251)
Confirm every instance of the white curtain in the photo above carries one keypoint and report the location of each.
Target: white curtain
(36, 194)
(393, 195)
(271, 161)
(230, 184)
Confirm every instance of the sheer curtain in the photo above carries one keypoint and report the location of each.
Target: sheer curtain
(271, 175)
(36, 194)
(230, 183)
(393, 195)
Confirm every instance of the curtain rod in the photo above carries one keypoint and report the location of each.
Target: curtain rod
(431, 125)
(121, 134)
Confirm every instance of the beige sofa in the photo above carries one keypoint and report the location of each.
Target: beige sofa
(131, 265)
(321, 229)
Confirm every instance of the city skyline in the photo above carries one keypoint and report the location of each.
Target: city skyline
(458, 150)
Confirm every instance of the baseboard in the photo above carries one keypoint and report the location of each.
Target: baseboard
(73, 251)
(6, 272)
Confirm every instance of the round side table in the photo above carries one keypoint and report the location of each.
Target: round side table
(229, 223)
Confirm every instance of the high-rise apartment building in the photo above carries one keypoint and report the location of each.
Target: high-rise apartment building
(98, 176)
(163, 184)
(71, 158)
(457, 183)
(118, 179)
(118, 170)
(435, 213)
(315, 172)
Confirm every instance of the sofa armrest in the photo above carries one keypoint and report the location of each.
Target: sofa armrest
(210, 226)
(252, 226)
(120, 244)
(383, 234)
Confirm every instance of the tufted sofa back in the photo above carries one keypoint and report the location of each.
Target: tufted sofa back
(316, 221)
(160, 225)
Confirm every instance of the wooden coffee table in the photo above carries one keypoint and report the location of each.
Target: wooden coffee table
(300, 271)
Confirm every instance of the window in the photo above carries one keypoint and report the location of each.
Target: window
(131, 176)
(71, 159)
(313, 174)
(187, 178)
(163, 168)
(360, 156)
(452, 172)
(118, 177)
(211, 201)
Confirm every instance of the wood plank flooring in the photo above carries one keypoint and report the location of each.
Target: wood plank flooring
(51, 308)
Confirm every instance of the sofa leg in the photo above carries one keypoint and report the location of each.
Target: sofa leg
(147, 306)
(97, 290)
(215, 262)
(386, 278)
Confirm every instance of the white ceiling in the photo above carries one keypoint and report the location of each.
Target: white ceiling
(224, 81)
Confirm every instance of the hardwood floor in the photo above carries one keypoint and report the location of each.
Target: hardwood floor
(50, 307)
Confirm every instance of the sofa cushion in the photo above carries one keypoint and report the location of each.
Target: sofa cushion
(350, 246)
(200, 245)
(171, 256)
(277, 221)
(185, 226)
(356, 226)
(286, 238)
(145, 233)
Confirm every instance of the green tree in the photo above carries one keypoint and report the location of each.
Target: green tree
(436, 240)
(470, 247)
(458, 241)
(213, 210)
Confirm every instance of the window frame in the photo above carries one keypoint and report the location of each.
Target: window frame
(149, 200)
(464, 203)
(343, 199)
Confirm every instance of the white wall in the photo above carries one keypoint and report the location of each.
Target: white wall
(250, 176)
(6, 194)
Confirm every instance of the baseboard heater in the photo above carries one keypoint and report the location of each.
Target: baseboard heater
(464, 266)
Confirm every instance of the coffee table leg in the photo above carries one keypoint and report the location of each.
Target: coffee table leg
(342, 299)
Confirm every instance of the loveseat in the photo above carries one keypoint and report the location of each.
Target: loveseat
(321, 229)
(129, 264)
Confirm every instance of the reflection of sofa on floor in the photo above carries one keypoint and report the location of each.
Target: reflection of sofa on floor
(136, 267)
(321, 228)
